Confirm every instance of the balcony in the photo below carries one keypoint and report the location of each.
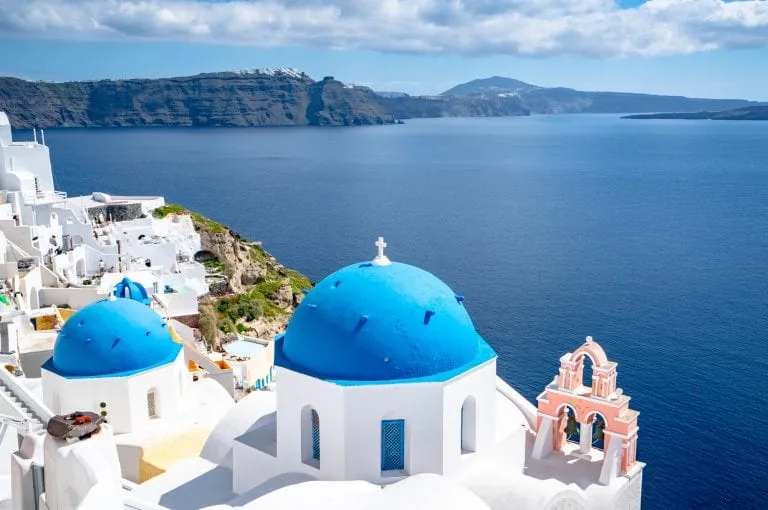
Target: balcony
(44, 197)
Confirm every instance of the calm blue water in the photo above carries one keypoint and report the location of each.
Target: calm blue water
(650, 236)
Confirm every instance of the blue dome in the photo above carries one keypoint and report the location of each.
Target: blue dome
(381, 323)
(129, 289)
(112, 338)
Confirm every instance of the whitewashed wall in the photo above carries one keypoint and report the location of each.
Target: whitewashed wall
(74, 297)
(296, 391)
(84, 475)
(31, 158)
(350, 424)
(126, 397)
(479, 384)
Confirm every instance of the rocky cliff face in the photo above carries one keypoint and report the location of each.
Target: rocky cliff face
(259, 294)
(409, 107)
(217, 99)
(226, 99)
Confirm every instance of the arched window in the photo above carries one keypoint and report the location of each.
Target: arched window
(598, 431)
(469, 425)
(151, 404)
(392, 445)
(587, 370)
(572, 427)
(310, 437)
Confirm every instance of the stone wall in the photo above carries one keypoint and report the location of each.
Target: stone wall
(117, 212)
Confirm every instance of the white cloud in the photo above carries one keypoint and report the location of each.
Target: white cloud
(529, 27)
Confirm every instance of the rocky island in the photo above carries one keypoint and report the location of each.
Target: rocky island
(748, 113)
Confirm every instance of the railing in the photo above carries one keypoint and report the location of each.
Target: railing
(45, 196)
(525, 406)
(20, 423)
(26, 397)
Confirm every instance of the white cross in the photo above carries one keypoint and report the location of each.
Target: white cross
(380, 244)
(381, 259)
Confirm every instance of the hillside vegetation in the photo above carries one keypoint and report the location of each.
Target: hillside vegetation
(251, 292)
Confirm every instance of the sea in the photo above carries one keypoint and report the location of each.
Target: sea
(650, 236)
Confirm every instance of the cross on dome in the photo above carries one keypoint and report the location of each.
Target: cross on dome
(381, 259)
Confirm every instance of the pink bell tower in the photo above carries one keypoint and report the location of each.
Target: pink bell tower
(569, 400)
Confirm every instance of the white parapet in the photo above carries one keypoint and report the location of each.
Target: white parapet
(84, 474)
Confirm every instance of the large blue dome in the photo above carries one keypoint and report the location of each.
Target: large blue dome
(112, 338)
(370, 322)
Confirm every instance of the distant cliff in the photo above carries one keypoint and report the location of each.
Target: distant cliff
(749, 113)
(565, 100)
(408, 107)
(257, 98)
(291, 98)
(217, 99)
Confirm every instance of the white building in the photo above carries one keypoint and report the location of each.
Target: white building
(386, 395)
(82, 246)
(117, 358)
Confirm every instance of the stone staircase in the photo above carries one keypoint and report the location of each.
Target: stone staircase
(29, 421)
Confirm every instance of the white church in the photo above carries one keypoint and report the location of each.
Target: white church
(385, 396)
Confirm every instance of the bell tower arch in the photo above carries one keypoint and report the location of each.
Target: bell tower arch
(595, 414)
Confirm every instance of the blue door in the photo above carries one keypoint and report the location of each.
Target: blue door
(392, 445)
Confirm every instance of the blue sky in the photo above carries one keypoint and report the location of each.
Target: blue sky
(691, 47)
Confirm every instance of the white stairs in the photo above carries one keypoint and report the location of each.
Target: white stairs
(29, 422)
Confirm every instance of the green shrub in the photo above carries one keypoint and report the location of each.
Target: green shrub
(208, 324)
(226, 324)
(162, 212)
(298, 281)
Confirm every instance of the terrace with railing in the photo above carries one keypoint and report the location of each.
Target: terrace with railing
(44, 197)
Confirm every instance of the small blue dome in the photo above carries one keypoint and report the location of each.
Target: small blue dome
(381, 323)
(129, 289)
(112, 338)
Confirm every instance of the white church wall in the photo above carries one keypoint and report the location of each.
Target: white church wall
(63, 396)
(125, 397)
(471, 397)
(296, 391)
(165, 383)
(418, 404)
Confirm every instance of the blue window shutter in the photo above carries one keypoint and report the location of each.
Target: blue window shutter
(392, 445)
(315, 435)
